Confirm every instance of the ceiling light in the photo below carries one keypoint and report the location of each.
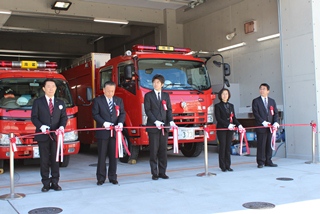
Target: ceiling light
(111, 21)
(232, 46)
(5, 12)
(61, 5)
(268, 37)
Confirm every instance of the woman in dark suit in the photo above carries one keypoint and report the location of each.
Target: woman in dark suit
(225, 116)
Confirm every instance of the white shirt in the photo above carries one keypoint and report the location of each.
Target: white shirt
(47, 98)
(157, 92)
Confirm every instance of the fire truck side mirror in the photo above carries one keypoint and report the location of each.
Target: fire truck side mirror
(226, 69)
(89, 94)
(226, 82)
(128, 72)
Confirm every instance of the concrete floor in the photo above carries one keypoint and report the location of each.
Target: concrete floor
(184, 192)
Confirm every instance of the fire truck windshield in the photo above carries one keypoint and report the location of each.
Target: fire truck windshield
(19, 93)
(178, 74)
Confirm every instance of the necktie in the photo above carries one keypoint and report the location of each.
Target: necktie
(50, 106)
(159, 96)
(110, 106)
(266, 104)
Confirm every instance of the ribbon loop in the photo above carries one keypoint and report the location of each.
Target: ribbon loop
(60, 136)
(243, 136)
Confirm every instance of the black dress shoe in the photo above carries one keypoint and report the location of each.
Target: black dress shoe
(114, 182)
(55, 187)
(99, 183)
(230, 170)
(260, 166)
(223, 170)
(45, 188)
(163, 176)
(272, 165)
(154, 177)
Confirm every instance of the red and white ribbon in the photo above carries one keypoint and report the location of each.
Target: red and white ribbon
(175, 140)
(206, 132)
(243, 136)
(273, 130)
(60, 137)
(120, 143)
(271, 110)
(164, 103)
(13, 144)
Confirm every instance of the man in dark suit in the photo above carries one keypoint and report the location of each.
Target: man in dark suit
(48, 113)
(157, 106)
(265, 113)
(107, 110)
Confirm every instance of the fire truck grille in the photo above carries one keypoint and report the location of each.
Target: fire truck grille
(182, 118)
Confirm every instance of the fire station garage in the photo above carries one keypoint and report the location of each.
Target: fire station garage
(257, 41)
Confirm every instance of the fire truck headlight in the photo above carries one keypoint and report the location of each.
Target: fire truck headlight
(5, 140)
(71, 136)
(210, 114)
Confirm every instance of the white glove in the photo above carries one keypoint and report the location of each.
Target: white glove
(172, 125)
(120, 125)
(107, 125)
(61, 128)
(240, 127)
(231, 126)
(158, 124)
(276, 125)
(44, 128)
(265, 123)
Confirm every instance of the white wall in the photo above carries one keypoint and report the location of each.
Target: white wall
(251, 65)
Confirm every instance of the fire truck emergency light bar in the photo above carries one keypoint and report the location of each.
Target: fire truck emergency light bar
(28, 64)
(160, 48)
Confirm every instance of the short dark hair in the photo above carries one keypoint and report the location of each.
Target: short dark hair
(158, 77)
(221, 91)
(266, 85)
(109, 82)
(48, 80)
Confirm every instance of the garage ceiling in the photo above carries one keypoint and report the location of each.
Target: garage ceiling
(29, 17)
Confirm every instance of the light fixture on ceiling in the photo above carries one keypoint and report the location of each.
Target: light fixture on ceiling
(61, 5)
(231, 35)
(232, 47)
(8, 12)
(111, 21)
(268, 37)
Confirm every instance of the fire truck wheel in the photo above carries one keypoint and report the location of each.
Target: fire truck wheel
(125, 157)
(191, 149)
(65, 162)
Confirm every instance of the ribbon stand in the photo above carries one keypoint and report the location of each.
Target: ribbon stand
(206, 173)
(12, 195)
(313, 131)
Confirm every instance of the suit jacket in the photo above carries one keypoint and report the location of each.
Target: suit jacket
(101, 114)
(40, 115)
(223, 117)
(261, 114)
(155, 110)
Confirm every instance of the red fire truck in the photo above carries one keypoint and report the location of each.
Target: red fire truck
(21, 83)
(186, 80)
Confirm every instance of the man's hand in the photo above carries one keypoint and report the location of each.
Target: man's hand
(231, 126)
(172, 125)
(265, 124)
(44, 128)
(276, 125)
(61, 128)
(107, 125)
(120, 125)
(159, 124)
(240, 128)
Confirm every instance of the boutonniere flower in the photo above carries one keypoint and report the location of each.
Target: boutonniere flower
(164, 103)
(231, 116)
(60, 107)
(117, 110)
(271, 110)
